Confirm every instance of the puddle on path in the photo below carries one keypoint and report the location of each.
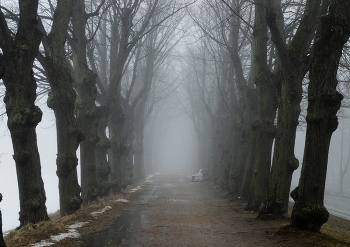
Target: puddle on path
(119, 231)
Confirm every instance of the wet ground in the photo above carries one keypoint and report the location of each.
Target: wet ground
(173, 211)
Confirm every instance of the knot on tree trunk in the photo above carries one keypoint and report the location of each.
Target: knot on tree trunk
(35, 204)
(50, 102)
(295, 193)
(75, 202)
(25, 117)
(21, 157)
(293, 163)
(75, 131)
(65, 163)
(103, 169)
(309, 217)
(332, 98)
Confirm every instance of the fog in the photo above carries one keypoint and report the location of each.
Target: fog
(170, 146)
(173, 142)
(176, 149)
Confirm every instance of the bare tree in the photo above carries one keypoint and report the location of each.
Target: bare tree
(324, 102)
(19, 50)
(263, 126)
(294, 60)
(62, 100)
(85, 84)
(127, 23)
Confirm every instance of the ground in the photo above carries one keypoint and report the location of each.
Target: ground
(170, 210)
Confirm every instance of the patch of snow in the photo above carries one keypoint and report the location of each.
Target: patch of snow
(121, 200)
(135, 189)
(101, 211)
(149, 179)
(76, 225)
(72, 233)
(42, 243)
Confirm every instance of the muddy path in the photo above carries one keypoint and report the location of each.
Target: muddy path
(172, 211)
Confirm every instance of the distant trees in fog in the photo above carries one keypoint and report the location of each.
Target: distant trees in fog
(272, 51)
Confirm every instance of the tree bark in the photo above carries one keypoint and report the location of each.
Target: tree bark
(324, 102)
(294, 65)
(23, 115)
(263, 128)
(138, 143)
(2, 242)
(85, 80)
(113, 98)
(103, 165)
(118, 144)
(246, 104)
(62, 100)
(236, 172)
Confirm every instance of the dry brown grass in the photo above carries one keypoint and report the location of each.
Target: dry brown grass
(33, 233)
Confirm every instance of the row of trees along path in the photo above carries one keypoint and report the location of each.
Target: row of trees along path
(101, 62)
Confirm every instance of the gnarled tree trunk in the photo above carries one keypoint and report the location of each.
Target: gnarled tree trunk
(263, 128)
(85, 80)
(62, 100)
(324, 102)
(294, 65)
(102, 163)
(23, 115)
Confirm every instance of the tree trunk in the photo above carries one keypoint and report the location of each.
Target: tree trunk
(23, 115)
(246, 98)
(113, 101)
(103, 165)
(127, 156)
(126, 137)
(324, 102)
(294, 65)
(62, 100)
(2, 242)
(249, 168)
(239, 146)
(118, 145)
(236, 168)
(243, 135)
(263, 129)
(138, 153)
(85, 80)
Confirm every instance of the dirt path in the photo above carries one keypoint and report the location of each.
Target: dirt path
(172, 211)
